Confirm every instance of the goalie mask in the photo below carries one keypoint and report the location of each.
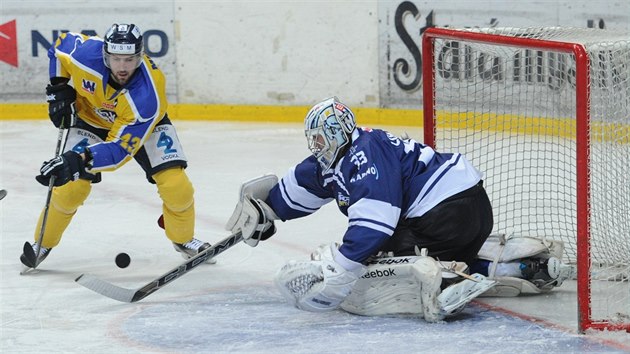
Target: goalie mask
(328, 127)
(123, 39)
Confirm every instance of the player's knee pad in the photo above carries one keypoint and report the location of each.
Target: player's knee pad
(397, 285)
(69, 197)
(175, 189)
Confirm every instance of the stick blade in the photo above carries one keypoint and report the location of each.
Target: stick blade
(106, 289)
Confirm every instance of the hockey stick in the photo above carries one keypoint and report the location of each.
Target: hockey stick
(450, 269)
(132, 295)
(60, 142)
(461, 274)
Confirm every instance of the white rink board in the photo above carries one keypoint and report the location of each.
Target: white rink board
(279, 52)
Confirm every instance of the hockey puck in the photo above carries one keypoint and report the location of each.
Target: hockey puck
(122, 260)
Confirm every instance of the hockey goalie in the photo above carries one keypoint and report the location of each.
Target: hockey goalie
(385, 285)
(417, 219)
(415, 284)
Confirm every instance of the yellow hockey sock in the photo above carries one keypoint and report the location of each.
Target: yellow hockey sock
(178, 206)
(64, 203)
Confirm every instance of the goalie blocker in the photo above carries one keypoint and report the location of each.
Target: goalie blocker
(251, 216)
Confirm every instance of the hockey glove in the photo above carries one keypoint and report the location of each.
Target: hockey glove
(319, 285)
(67, 167)
(252, 216)
(255, 220)
(60, 100)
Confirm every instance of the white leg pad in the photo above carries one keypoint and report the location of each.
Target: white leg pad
(510, 286)
(398, 285)
(454, 298)
(500, 248)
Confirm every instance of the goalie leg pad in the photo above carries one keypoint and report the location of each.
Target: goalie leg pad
(454, 298)
(398, 285)
(510, 287)
(501, 249)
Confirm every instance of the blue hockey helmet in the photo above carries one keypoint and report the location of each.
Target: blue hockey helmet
(328, 127)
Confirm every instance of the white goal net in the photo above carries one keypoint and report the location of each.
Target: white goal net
(544, 113)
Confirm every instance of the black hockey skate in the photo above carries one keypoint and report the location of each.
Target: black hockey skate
(29, 254)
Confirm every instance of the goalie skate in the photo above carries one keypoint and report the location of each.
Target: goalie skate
(547, 273)
(540, 264)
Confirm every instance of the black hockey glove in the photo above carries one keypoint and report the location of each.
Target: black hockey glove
(67, 167)
(60, 100)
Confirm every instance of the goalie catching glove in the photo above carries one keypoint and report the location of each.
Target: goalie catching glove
(252, 216)
(321, 284)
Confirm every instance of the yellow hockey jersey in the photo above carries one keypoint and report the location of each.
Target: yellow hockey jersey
(129, 113)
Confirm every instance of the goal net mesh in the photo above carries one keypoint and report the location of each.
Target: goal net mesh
(512, 111)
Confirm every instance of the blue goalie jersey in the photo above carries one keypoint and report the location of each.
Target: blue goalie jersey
(380, 180)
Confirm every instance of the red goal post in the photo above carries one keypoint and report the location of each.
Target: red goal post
(544, 113)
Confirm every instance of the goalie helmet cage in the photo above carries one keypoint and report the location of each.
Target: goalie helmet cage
(544, 113)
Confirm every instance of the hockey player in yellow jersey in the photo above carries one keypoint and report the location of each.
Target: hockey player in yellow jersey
(111, 97)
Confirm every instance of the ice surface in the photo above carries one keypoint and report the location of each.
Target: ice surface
(231, 306)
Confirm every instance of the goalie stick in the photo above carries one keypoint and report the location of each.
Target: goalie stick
(132, 295)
